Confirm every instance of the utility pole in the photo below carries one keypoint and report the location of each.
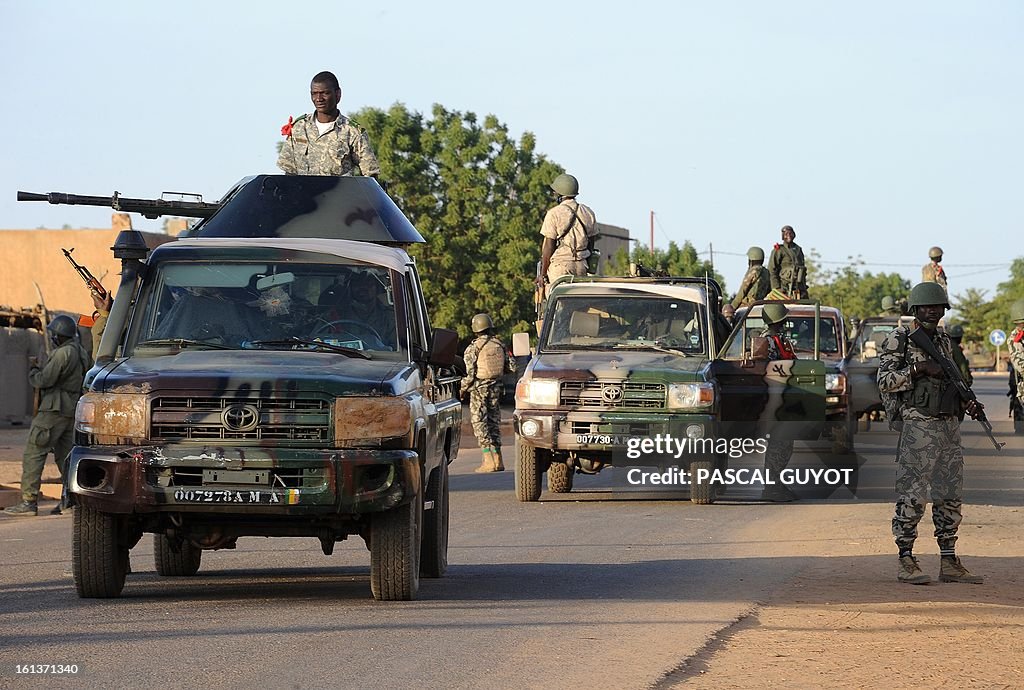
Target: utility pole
(652, 237)
(711, 255)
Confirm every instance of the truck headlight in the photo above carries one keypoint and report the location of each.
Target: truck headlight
(691, 396)
(370, 419)
(113, 418)
(835, 383)
(537, 392)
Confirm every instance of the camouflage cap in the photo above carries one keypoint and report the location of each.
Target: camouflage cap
(935, 253)
(924, 294)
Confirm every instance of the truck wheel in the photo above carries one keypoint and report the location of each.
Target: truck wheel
(170, 563)
(434, 548)
(528, 471)
(842, 437)
(560, 476)
(395, 553)
(703, 493)
(99, 554)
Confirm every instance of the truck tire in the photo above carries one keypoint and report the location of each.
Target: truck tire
(395, 552)
(434, 547)
(560, 476)
(99, 554)
(528, 471)
(170, 563)
(705, 492)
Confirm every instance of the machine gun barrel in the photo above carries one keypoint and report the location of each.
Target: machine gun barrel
(150, 208)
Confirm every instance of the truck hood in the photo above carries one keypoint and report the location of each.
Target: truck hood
(621, 364)
(214, 372)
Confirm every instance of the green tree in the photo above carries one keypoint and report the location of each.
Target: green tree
(676, 261)
(855, 293)
(979, 316)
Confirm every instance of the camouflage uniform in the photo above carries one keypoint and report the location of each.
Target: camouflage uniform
(756, 284)
(932, 272)
(783, 265)
(60, 384)
(336, 152)
(570, 224)
(929, 456)
(485, 394)
(1016, 347)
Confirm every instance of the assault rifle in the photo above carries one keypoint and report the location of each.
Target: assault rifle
(95, 287)
(952, 372)
(149, 208)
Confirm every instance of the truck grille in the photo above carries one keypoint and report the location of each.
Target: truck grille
(612, 395)
(303, 421)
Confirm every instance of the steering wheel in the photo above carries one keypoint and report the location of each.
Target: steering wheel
(367, 328)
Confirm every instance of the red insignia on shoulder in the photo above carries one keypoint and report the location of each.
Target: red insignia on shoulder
(777, 245)
(286, 130)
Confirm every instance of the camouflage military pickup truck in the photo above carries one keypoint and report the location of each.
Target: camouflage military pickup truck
(274, 373)
(632, 358)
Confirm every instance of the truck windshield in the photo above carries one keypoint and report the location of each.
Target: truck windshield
(260, 305)
(639, 321)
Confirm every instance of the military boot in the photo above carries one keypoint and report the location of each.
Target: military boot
(910, 572)
(487, 464)
(498, 465)
(952, 570)
(23, 509)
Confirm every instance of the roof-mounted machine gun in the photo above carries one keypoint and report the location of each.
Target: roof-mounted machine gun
(149, 208)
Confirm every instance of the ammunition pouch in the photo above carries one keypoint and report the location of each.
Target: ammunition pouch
(934, 397)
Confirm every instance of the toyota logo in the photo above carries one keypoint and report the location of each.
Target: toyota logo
(611, 394)
(241, 417)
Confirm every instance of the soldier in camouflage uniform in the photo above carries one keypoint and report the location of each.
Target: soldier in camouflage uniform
(1016, 346)
(756, 282)
(487, 361)
(60, 385)
(890, 307)
(929, 456)
(569, 231)
(786, 266)
(780, 447)
(326, 142)
(932, 271)
(956, 334)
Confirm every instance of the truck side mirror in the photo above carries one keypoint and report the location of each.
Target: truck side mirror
(444, 348)
(521, 344)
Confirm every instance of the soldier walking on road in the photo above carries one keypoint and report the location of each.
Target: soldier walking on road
(1016, 347)
(487, 361)
(756, 281)
(780, 446)
(787, 267)
(929, 457)
(569, 231)
(932, 271)
(60, 386)
(326, 142)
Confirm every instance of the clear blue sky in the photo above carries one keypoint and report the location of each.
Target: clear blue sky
(874, 128)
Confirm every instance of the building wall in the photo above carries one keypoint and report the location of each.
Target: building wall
(610, 240)
(34, 256)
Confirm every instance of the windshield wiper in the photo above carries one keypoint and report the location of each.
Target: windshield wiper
(650, 346)
(316, 344)
(182, 343)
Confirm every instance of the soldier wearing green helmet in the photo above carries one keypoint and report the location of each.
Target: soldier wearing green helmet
(890, 307)
(487, 360)
(920, 404)
(956, 334)
(569, 231)
(932, 272)
(780, 448)
(756, 282)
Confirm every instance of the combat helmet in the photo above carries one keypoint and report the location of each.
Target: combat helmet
(956, 331)
(935, 253)
(924, 294)
(888, 303)
(63, 326)
(1017, 311)
(774, 313)
(481, 322)
(566, 185)
(755, 254)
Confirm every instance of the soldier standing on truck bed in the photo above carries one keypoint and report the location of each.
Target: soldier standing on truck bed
(787, 267)
(929, 455)
(487, 361)
(932, 271)
(569, 231)
(60, 386)
(756, 281)
(325, 142)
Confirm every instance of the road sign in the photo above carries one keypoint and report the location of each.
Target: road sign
(997, 337)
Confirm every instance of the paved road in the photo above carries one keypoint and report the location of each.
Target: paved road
(579, 590)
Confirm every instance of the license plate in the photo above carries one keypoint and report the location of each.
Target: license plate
(236, 476)
(288, 497)
(601, 439)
